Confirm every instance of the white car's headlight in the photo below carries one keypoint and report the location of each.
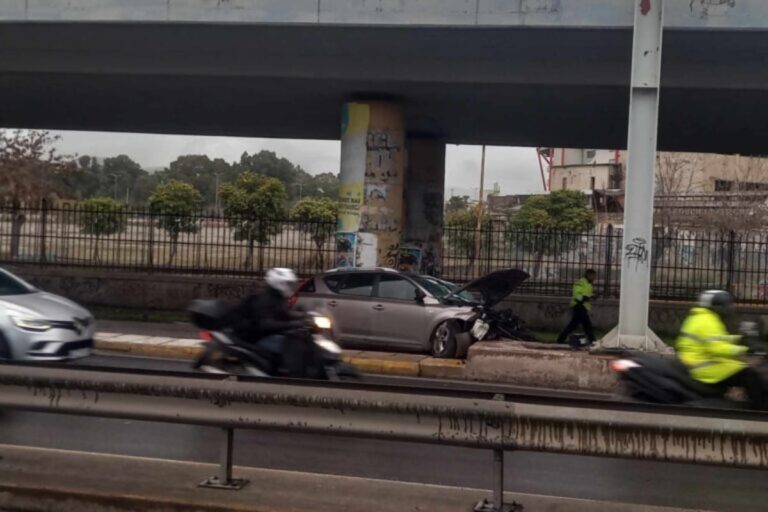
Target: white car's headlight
(322, 322)
(30, 324)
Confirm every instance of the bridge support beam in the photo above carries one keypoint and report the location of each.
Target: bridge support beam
(633, 332)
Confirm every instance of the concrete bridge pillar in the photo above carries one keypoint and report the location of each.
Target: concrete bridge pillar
(373, 165)
(421, 248)
(391, 191)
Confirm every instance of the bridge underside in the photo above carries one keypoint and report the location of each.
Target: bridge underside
(469, 85)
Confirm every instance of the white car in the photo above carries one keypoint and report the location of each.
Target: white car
(40, 326)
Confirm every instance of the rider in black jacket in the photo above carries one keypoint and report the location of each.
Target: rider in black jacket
(266, 318)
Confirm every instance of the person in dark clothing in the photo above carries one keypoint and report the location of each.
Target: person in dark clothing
(581, 304)
(266, 319)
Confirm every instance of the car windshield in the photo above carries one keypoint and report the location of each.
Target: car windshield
(9, 285)
(441, 289)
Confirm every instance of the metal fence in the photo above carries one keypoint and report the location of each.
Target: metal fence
(683, 262)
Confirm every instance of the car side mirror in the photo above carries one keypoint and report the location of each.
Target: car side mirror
(419, 296)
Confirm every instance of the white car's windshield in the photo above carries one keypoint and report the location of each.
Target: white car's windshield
(9, 285)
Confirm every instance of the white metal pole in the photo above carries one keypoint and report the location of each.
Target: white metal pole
(641, 165)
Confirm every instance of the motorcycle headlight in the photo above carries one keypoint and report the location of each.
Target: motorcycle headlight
(322, 322)
(30, 324)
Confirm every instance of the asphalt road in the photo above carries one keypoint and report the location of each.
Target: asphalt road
(559, 475)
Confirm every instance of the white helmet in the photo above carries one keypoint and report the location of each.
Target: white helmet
(719, 301)
(283, 280)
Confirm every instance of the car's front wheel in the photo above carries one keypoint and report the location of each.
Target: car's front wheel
(443, 341)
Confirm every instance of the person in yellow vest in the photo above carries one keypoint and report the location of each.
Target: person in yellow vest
(712, 355)
(581, 305)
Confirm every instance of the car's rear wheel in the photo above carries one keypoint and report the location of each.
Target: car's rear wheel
(443, 341)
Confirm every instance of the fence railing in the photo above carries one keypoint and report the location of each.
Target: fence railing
(481, 420)
(682, 262)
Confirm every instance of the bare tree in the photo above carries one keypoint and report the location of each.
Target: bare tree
(31, 170)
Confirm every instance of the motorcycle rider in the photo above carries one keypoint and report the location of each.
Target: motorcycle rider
(266, 318)
(712, 355)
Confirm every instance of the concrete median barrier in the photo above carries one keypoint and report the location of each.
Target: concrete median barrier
(513, 363)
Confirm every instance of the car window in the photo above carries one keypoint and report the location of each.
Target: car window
(360, 285)
(12, 286)
(395, 287)
(333, 282)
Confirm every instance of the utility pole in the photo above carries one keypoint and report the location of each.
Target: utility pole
(480, 206)
(216, 199)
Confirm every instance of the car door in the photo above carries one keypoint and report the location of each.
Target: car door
(350, 305)
(398, 318)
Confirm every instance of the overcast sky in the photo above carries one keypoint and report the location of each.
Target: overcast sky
(516, 170)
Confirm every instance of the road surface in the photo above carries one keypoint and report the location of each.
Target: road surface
(549, 474)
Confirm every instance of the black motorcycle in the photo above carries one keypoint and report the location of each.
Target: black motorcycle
(665, 380)
(317, 355)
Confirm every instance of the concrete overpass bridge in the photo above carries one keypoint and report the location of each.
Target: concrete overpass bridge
(507, 72)
(404, 74)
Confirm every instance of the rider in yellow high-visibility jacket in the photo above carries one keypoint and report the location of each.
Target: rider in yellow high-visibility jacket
(711, 354)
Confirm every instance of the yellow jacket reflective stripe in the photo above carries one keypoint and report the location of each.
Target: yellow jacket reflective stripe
(706, 348)
(582, 289)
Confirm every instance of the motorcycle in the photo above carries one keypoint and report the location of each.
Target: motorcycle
(225, 352)
(666, 380)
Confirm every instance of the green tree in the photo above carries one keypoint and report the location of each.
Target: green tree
(461, 233)
(201, 172)
(101, 216)
(551, 224)
(254, 205)
(317, 218)
(174, 203)
(457, 204)
(119, 176)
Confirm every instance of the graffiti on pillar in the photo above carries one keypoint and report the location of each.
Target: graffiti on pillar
(376, 193)
(637, 252)
(392, 255)
(346, 244)
(381, 221)
(409, 259)
(383, 152)
(708, 8)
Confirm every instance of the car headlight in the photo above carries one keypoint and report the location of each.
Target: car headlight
(322, 322)
(30, 324)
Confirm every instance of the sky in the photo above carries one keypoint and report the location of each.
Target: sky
(516, 170)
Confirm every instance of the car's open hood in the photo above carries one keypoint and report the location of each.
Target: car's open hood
(496, 286)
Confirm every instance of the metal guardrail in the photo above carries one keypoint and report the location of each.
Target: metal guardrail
(494, 424)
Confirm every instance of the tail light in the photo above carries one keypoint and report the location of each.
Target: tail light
(623, 365)
(206, 335)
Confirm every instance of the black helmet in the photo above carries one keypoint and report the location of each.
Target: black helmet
(719, 301)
